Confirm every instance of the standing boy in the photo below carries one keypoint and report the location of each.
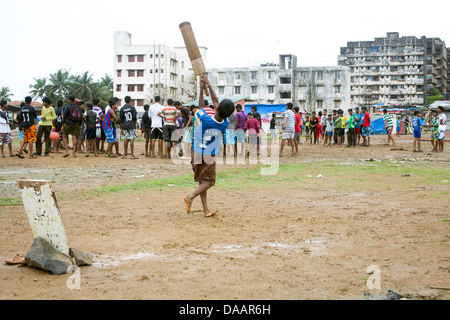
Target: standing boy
(329, 130)
(110, 115)
(128, 119)
(170, 115)
(57, 123)
(5, 129)
(45, 127)
(207, 140)
(351, 124)
(73, 116)
(146, 127)
(389, 125)
(252, 126)
(358, 125)
(157, 128)
(288, 128)
(298, 128)
(241, 120)
(338, 127)
(365, 130)
(441, 129)
(417, 129)
(28, 116)
(91, 128)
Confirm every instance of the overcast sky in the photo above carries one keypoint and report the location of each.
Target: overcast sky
(41, 36)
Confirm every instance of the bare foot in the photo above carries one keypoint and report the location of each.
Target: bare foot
(210, 214)
(188, 201)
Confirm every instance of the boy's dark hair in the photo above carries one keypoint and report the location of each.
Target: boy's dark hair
(3, 103)
(60, 103)
(320, 113)
(80, 102)
(364, 108)
(28, 100)
(290, 106)
(46, 100)
(340, 111)
(206, 102)
(96, 101)
(226, 108)
(350, 110)
(384, 110)
(157, 99)
(127, 99)
(22, 104)
(297, 109)
(71, 98)
(416, 113)
(169, 102)
(146, 107)
(238, 107)
(177, 103)
(250, 115)
(112, 102)
(89, 106)
(193, 107)
(273, 115)
(441, 108)
(254, 108)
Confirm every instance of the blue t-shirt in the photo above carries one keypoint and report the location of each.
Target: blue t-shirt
(208, 135)
(416, 123)
(360, 120)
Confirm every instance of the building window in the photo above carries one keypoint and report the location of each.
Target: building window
(285, 80)
(118, 87)
(254, 89)
(151, 56)
(221, 90)
(162, 55)
(151, 70)
(140, 102)
(119, 58)
(182, 64)
(270, 89)
(221, 76)
(319, 75)
(337, 89)
(131, 73)
(162, 70)
(237, 76)
(131, 88)
(119, 73)
(254, 75)
(269, 74)
(131, 58)
(337, 104)
(337, 74)
(140, 87)
(237, 90)
(302, 74)
(285, 95)
(140, 73)
(319, 104)
(140, 58)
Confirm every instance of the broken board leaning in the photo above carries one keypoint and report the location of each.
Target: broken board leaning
(43, 213)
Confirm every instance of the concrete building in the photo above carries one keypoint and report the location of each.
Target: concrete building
(144, 71)
(394, 70)
(310, 88)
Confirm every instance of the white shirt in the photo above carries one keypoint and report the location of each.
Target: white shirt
(4, 123)
(153, 114)
(443, 119)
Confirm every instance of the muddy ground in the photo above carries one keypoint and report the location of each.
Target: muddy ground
(291, 236)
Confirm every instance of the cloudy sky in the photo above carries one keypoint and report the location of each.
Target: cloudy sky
(40, 37)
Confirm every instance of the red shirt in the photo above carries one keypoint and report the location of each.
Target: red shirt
(298, 122)
(252, 126)
(210, 112)
(366, 120)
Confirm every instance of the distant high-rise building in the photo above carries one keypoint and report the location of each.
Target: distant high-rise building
(395, 70)
(145, 71)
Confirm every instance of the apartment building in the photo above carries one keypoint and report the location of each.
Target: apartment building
(310, 88)
(394, 70)
(144, 71)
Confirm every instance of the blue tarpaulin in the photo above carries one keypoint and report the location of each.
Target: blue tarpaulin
(266, 108)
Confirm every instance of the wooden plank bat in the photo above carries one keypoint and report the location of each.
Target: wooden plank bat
(193, 51)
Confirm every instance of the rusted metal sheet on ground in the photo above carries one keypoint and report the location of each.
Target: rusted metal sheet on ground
(43, 213)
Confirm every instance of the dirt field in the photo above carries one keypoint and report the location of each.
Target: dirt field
(288, 236)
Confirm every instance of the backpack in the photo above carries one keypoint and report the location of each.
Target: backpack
(75, 113)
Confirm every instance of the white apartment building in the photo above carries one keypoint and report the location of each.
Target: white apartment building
(145, 71)
(310, 88)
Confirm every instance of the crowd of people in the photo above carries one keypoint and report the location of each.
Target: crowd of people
(169, 130)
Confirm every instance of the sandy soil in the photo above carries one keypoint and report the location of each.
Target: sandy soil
(286, 240)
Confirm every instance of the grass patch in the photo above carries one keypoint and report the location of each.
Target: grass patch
(359, 176)
(10, 201)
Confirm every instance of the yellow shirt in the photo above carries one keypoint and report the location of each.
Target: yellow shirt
(49, 115)
(344, 120)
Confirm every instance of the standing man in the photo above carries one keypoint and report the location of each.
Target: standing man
(351, 135)
(323, 121)
(99, 133)
(57, 123)
(358, 125)
(389, 125)
(365, 130)
(73, 116)
(128, 120)
(146, 127)
(441, 129)
(5, 129)
(257, 116)
(313, 123)
(241, 120)
(288, 128)
(28, 117)
(107, 125)
(157, 128)
(170, 115)
(298, 128)
(45, 127)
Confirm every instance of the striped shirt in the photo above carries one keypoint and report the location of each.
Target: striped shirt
(210, 112)
(290, 125)
(107, 122)
(169, 113)
(388, 120)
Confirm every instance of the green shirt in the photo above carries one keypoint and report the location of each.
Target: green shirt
(338, 123)
(388, 120)
(351, 122)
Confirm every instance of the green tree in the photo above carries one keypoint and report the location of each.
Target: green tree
(434, 95)
(59, 85)
(39, 89)
(83, 87)
(5, 94)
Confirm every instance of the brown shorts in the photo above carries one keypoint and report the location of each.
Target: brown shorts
(203, 172)
(29, 134)
(73, 129)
